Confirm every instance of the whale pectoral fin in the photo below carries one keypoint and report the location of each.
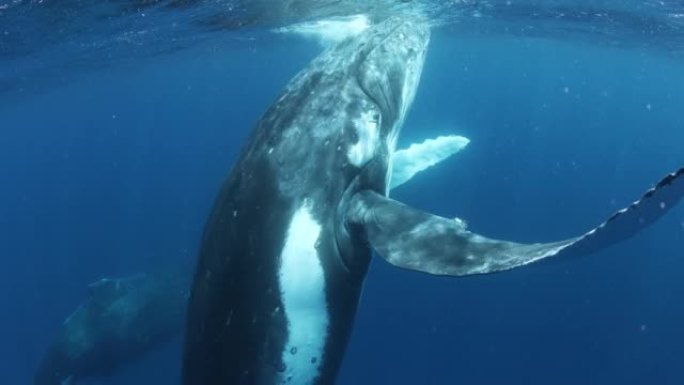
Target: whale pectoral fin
(416, 240)
(419, 156)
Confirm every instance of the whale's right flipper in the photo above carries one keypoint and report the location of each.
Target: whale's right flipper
(420, 156)
(416, 240)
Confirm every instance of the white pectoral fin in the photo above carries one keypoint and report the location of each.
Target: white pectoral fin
(419, 156)
(420, 241)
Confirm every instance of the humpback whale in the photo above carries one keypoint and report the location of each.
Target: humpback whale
(288, 242)
(121, 319)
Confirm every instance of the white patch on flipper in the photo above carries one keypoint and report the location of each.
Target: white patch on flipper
(330, 31)
(417, 157)
(367, 129)
(302, 284)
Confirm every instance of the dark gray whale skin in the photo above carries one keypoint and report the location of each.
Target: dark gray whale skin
(121, 320)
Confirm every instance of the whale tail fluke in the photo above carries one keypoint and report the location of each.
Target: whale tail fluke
(419, 241)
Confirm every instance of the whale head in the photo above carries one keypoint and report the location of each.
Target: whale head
(390, 66)
(344, 110)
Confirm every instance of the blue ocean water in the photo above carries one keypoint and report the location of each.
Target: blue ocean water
(111, 171)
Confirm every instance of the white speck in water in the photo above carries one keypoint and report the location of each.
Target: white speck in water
(649, 106)
(234, 213)
(270, 151)
(662, 205)
(566, 90)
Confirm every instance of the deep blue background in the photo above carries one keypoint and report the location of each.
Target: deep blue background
(114, 173)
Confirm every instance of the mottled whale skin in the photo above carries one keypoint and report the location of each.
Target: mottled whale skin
(121, 319)
(288, 242)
